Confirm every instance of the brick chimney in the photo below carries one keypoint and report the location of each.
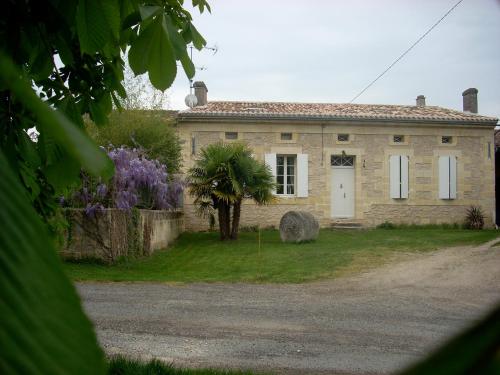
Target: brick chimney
(470, 100)
(420, 101)
(200, 90)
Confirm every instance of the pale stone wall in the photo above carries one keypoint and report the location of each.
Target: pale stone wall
(371, 143)
(158, 229)
(114, 233)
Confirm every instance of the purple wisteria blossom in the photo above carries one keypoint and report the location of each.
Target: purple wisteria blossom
(138, 182)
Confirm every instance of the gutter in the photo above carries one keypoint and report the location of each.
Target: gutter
(244, 117)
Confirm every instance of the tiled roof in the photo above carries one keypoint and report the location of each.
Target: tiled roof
(331, 111)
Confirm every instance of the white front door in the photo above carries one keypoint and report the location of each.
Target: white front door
(342, 192)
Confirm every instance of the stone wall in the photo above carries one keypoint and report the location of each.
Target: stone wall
(372, 145)
(114, 233)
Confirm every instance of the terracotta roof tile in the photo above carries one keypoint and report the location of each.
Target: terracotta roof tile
(332, 111)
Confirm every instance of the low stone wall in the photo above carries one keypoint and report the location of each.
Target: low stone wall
(114, 233)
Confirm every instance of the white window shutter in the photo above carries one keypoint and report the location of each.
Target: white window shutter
(394, 176)
(453, 177)
(444, 177)
(404, 176)
(270, 160)
(302, 176)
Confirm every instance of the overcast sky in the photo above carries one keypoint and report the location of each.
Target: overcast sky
(328, 51)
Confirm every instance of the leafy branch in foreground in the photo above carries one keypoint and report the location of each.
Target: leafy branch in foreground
(71, 52)
(60, 60)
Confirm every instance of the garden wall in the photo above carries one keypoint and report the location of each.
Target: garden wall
(114, 233)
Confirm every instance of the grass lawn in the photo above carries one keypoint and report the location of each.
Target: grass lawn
(201, 257)
(124, 366)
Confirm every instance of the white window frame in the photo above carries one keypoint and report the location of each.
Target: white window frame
(301, 173)
(398, 176)
(286, 175)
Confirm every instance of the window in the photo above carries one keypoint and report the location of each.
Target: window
(291, 173)
(398, 171)
(447, 177)
(343, 137)
(285, 174)
(446, 139)
(231, 135)
(342, 161)
(398, 139)
(286, 136)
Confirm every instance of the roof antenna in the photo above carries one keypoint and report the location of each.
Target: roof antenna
(191, 100)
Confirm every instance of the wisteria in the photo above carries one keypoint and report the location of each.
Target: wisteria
(138, 182)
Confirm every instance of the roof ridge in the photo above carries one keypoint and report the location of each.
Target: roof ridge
(307, 103)
(247, 109)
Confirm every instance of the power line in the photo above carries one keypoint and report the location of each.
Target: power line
(405, 52)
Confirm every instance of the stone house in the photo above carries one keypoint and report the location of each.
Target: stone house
(354, 164)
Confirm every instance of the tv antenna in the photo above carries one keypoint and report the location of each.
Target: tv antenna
(191, 99)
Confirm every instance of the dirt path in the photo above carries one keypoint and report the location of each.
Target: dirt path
(373, 323)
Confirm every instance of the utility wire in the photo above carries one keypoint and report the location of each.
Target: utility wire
(405, 52)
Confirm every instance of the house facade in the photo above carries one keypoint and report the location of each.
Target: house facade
(354, 163)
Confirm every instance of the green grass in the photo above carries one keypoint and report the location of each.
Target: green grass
(201, 257)
(120, 365)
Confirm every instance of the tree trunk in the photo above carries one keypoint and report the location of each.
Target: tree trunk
(236, 219)
(223, 211)
(228, 220)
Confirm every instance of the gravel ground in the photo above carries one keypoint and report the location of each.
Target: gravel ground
(373, 323)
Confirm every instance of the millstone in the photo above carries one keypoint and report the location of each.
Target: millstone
(298, 226)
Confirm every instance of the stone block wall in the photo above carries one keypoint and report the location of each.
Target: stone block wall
(371, 144)
(114, 233)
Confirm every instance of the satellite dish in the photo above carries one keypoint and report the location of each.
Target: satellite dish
(191, 100)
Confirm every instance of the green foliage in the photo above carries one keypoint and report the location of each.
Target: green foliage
(72, 53)
(389, 225)
(152, 131)
(386, 225)
(474, 218)
(474, 351)
(59, 226)
(120, 365)
(201, 257)
(60, 60)
(222, 177)
(140, 93)
(43, 329)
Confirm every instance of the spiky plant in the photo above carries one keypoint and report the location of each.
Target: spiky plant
(222, 177)
(474, 218)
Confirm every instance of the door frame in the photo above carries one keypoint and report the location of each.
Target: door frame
(332, 176)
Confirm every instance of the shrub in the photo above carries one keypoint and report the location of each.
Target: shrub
(151, 131)
(474, 218)
(386, 225)
(138, 182)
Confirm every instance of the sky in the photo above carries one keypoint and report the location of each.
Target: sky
(328, 51)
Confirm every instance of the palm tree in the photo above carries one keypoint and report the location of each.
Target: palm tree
(222, 177)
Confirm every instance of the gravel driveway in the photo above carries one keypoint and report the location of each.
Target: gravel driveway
(372, 323)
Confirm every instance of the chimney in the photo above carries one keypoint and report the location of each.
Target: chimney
(470, 100)
(420, 101)
(200, 90)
